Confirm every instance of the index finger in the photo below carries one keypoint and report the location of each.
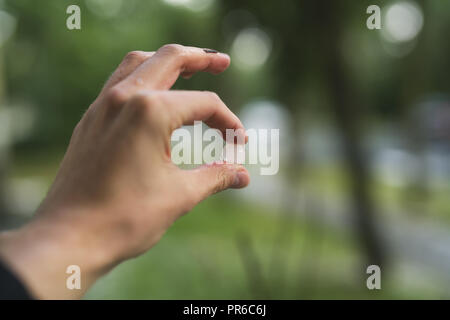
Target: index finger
(186, 107)
(162, 70)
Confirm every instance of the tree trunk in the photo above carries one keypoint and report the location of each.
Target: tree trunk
(347, 113)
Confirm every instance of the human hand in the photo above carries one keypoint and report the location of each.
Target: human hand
(117, 190)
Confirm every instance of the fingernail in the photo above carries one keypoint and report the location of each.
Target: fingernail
(210, 51)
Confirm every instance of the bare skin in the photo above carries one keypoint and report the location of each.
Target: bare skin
(117, 191)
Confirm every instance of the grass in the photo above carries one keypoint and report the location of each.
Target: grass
(202, 257)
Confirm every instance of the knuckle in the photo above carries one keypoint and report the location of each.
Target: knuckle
(144, 100)
(135, 56)
(146, 105)
(116, 96)
(171, 49)
(214, 97)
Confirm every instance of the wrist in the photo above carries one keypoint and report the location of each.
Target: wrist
(40, 253)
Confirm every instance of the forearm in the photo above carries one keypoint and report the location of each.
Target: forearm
(40, 253)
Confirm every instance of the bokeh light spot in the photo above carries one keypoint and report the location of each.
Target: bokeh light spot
(403, 22)
(194, 5)
(251, 48)
(7, 26)
(105, 8)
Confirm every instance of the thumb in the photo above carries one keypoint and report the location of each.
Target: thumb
(212, 178)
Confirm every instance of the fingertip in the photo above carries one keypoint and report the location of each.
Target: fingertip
(226, 60)
(241, 178)
(187, 75)
(226, 57)
(220, 63)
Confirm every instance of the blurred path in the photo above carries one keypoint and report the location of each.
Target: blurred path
(423, 244)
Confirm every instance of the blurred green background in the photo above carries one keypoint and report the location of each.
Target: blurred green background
(364, 119)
